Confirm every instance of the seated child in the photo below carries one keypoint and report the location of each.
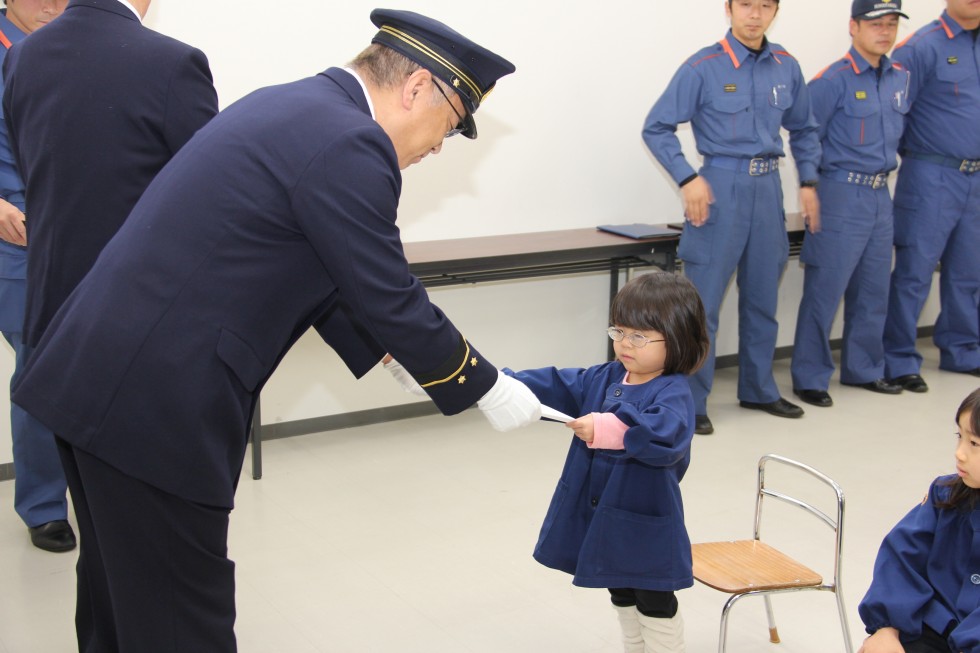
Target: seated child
(925, 594)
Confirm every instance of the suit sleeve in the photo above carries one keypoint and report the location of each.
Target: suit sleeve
(346, 203)
(677, 105)
(900, 590)
(352, 342)
(191, 99)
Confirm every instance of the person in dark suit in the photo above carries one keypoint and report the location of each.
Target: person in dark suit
(277, 216)
(40, 491)
(94, 108)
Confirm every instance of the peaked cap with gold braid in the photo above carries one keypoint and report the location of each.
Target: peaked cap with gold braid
(469, 69)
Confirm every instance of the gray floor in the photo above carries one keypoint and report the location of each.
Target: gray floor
(416, 536)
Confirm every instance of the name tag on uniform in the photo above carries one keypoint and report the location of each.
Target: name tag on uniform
(953, 60)
(730, 88)
(860, 95)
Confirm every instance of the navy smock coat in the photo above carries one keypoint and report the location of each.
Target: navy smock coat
(617, 519)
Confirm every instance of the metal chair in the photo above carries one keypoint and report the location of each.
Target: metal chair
(751, 567)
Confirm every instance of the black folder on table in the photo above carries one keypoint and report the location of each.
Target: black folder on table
(638, 230)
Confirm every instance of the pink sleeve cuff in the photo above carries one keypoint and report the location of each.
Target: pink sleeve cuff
(608, 432)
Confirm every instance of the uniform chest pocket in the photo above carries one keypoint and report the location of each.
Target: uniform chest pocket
(730, 103)
(780, 96)
(729, 118)
(955, 73)
(863, 123)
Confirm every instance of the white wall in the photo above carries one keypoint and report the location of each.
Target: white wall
(559, 148)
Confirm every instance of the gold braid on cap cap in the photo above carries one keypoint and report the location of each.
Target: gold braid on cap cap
(432, 54)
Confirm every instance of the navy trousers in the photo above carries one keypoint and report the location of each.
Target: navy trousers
(153, 569)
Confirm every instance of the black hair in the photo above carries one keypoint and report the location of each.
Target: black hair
(961, 495)
(669, 304)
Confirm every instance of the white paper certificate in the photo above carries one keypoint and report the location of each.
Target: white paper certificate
(547, 412)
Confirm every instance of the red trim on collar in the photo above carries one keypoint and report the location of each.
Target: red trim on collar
(854, 66)
(731, 53)
(949, 32)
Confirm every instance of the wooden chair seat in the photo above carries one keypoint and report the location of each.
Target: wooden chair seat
(748, 565)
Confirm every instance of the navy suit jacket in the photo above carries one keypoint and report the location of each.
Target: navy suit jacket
(95, 106)
(277, 215)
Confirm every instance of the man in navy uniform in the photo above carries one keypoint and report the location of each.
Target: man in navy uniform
(860, 102)
(276, 216)
(39, 481)
(737, 94)
(937, 198)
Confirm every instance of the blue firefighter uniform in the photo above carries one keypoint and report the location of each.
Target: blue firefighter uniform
(861, 112)
(928, 574)
(937, 200)
(736, 101)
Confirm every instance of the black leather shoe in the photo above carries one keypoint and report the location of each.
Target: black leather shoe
(911, 382)
(880, 386)
(703, 425)
(815, 397)
(973, 372)
(55, 536)
(779, 408)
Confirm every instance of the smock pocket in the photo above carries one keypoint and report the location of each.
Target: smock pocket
(241, 359)
(629, 543)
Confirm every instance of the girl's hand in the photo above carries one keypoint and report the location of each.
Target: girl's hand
(583, 428)
(885, 640)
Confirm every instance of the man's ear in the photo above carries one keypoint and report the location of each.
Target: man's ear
(418, 85)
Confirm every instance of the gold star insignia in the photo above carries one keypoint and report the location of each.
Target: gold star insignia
(456, 82)
(461, 380)
(473, 362)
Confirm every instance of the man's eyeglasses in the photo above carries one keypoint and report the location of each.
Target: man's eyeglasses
(638, 340)
(458, 129)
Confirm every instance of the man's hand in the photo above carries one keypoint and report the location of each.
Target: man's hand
(697, 200)
(885, 640)
(12, 227)
(509, 404)
(810, 204)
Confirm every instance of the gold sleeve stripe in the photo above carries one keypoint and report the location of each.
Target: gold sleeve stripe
(454, 374)
(418, 45)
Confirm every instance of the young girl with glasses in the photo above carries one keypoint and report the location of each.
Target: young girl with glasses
(925, 594)
(616, 519)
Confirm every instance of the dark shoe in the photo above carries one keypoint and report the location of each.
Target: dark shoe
(779, 408)
(55, 536)
(973, 372)
(703, 425)
(880, 386)
(911, 382)
(815, 397)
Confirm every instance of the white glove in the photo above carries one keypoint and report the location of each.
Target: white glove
(509, 404)
(405, 380)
